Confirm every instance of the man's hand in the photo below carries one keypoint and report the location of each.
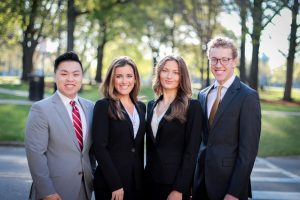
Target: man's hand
(230, 197)
(54, 196)
(175, 195)
(117, 194)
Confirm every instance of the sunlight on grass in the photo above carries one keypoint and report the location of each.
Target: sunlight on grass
(13, 119)
(280, 136)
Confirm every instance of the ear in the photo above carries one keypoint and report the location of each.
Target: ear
(235, 62)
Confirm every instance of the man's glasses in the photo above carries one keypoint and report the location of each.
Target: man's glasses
(223, 61)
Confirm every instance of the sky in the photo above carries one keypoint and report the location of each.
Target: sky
(274, 37)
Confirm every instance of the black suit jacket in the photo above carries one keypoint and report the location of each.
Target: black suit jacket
(119, 155)
(230, 146)
(172, 154)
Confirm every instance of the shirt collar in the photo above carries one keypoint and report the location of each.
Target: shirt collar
(227, 83)
(66, 100)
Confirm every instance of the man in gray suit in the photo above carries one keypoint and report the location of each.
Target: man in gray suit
(58, 140)
(231, 132)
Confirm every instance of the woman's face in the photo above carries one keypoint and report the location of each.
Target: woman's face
(170, 76)
(124, 80)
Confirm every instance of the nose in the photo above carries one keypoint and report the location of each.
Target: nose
(218, 64)
(70, 77)
(169, 75)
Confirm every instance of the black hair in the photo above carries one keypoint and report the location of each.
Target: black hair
(68, 56)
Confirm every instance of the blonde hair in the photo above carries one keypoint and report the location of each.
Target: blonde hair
(222, 42)
(184, 92)
(109, 91)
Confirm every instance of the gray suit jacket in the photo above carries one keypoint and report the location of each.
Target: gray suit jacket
(55, 161)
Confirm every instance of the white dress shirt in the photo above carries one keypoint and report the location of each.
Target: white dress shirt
(66, 102)
(135, 120)
(156, 119)
(213, 93)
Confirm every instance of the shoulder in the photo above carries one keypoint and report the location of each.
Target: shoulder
(150, 104)
(247, 90)
(102, 102)
(141, 105)
(194, 105)
(44, 103)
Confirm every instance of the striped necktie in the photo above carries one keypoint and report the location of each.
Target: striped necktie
(77, 124)
(215, 106)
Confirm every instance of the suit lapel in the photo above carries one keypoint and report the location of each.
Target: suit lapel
(149, 119)
(142, 121)
(231, 92)
(128, 121)
(63, 114)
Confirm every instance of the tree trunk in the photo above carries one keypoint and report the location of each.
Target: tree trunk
(100, 52)
(71, 15)
(291, 55)
(243, 15)
(28, 51)
(257, 28)
(208, 74)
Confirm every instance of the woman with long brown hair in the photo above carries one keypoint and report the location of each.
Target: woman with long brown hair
(174, 126)
(118, 134)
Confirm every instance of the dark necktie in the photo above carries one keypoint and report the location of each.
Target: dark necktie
(77, 124)
(215, 106)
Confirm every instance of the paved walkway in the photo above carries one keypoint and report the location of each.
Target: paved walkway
(274, 178)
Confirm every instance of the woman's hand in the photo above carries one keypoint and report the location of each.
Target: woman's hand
(117, 194)
(175, 195)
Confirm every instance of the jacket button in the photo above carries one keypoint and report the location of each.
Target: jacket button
(79, 173)
(132, 150)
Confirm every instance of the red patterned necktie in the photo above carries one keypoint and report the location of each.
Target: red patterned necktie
(77, 123)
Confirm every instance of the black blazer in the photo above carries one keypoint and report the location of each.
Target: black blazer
(171, 156)
(230, 146)
(119, 155)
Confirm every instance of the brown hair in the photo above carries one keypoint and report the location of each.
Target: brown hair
(222, 42)
(108, 87)
(184, 92)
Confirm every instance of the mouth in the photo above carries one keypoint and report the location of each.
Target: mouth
(70, 86)
(219, 71)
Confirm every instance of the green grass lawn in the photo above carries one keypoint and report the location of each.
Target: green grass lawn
(280, 134)
(13, 119)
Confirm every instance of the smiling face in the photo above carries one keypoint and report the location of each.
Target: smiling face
(169, 76)
(68, 78)
(220, 71)
(124, 80)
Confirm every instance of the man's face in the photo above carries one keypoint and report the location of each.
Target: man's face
(68, 78)
(222, 64)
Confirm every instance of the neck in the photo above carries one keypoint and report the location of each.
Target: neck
(169, 96)
(125, 99)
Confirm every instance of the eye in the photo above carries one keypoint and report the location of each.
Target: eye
(225, 59)
(129, 75)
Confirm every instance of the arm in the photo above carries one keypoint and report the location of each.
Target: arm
(193, 137)
(249, 134)
(100, 136)
(36, 143)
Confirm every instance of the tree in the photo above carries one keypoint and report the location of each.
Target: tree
(202, 16)
(243, 15)
(72, 13)
(262, 12)
(292, 50)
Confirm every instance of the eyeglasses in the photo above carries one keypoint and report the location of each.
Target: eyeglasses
(223, 61)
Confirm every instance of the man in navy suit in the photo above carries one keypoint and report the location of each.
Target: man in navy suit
(231, 132)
